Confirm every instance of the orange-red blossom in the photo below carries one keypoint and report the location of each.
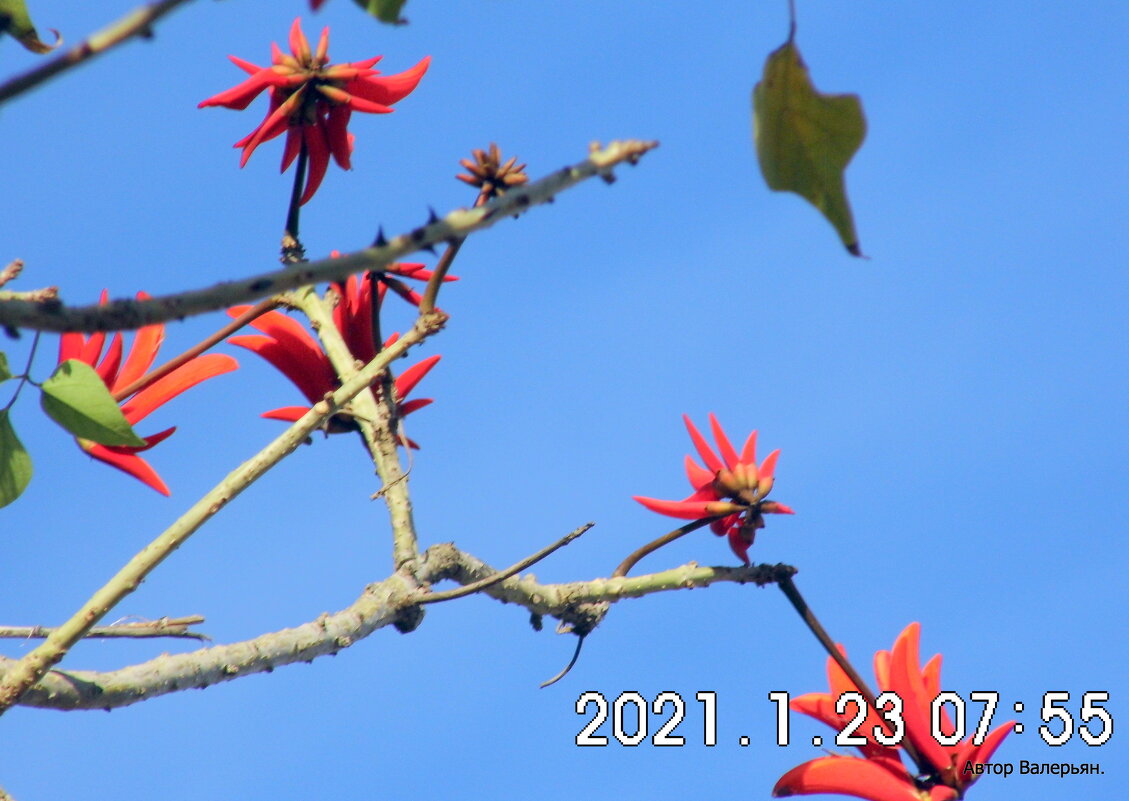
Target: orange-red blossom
(117, 375)
(312, 101)
(730, 484)
(879, 774)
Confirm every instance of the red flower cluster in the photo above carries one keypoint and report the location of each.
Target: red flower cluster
(299, 357)
(118, 375)
(730, 484)
(313, 102)
(879, 774)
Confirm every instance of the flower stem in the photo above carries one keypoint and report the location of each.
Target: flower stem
(256, 311)
(431, 292)
(788, 587)
(292, 250)
(25, 378)
(655, 544)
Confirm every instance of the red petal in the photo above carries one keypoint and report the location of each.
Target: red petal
(292, 146)
(108, 368)
(336, 130)
(863, 778)
(239, 97)
(290, 414)
(768, 466)
(92, 348)
(318, 148)
(169, 386)
(322, 54)
(367, 64)
(387, 89)
(685, 510)
(298, 44)
(728, 453)
(129, 463)
(408, 407)
(273, 125)
(699, 476)
(312, 377)
(708, 456)
(71, 346)
(407, 380)
(749, 452)
(246, 66)
(146, 342)
(906, 680)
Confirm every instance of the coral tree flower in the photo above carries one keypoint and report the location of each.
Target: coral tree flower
(287, 345)
(117, 375)
(730, 484)
(879, 774)
(312, 102)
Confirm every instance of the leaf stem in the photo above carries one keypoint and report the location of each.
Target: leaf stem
(25, 378)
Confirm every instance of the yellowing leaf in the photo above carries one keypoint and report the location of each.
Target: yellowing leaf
(806, 139)
(15, 21)
(75, 398)
(384, 10)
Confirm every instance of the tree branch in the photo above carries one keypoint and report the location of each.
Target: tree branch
(379, 605)
(391, 601)
(126, 313)
(135, 23)
(164, 627)
(32, 667)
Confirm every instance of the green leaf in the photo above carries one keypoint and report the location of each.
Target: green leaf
(806, 139)
(384, 10)
(16, 22)
(75, 398)
(5, 372)
(15, 464)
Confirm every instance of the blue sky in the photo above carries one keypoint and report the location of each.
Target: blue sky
(952, 412)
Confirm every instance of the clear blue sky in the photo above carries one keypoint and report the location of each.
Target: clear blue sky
(952, 412)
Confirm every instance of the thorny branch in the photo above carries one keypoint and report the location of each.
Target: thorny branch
(136, 23)
(127, 313)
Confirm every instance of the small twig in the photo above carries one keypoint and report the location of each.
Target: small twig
(26, 373)
(568, 667)
(481, 584)
(164, 627)
(655, 544)
(788, 587)
(443, 266)
(127, 313)
(11, 271)
(256, 311)
(135, 23)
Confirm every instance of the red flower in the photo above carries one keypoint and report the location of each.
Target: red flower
(118, 375)
(299, 357)
(312, 102)
(879, 774)
(732, 485)
(412, 270)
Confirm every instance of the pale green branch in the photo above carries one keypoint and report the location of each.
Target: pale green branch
(32, 667)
